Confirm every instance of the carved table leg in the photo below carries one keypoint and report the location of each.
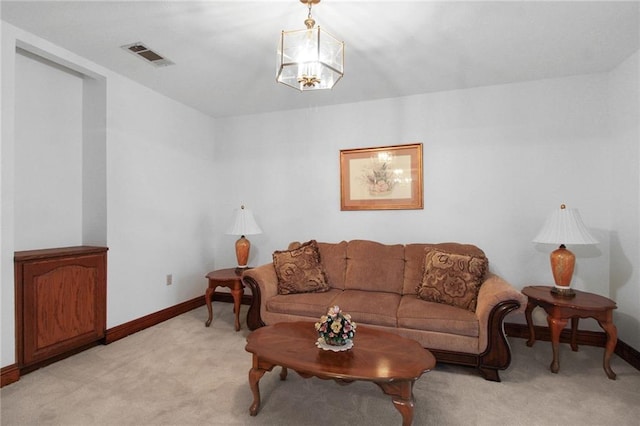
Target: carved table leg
(574, 332)
(401, 393)
(612, 338)
(532, 333)
(283, 373)
(555, 326)
(255, 374)
(207, 299)
(237, 298)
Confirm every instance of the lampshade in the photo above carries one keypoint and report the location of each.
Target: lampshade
(309, 59)
(244, 223)
(564, 226)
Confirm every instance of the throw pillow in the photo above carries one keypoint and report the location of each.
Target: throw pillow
(453, 279)
(299, 270)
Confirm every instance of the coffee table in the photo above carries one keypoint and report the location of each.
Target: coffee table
(390, 361)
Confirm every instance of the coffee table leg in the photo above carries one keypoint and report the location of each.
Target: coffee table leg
(283, 373)
(255, 374)
(401, 393)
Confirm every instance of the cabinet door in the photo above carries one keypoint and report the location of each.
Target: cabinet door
(64, 305)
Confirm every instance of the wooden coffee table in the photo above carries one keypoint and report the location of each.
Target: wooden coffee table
(390, 361)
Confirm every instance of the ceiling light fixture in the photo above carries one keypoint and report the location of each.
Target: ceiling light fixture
(310, 59)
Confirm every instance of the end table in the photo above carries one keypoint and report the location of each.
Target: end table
(559, 309)
(230, 278)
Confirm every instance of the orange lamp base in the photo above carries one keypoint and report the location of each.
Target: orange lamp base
(562, 265)
(242, 251)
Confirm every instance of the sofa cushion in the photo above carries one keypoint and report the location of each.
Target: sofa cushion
(299, 270)
(418, 314)
(374, 267)
(334, 261)
(452, 278)
(306, 304)
(414, 260)
(369, 308)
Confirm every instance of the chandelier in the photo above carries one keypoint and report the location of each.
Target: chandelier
(310, 59)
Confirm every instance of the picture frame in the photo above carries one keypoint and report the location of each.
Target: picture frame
(381, 178)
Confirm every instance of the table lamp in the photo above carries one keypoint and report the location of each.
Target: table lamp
(243, 224)
(564, 226)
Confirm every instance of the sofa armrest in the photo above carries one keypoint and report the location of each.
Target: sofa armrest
(496, 299)
(495, 290)
(263, 282)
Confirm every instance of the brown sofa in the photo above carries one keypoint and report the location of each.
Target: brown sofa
(377, 284)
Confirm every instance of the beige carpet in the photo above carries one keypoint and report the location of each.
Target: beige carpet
(182, 373)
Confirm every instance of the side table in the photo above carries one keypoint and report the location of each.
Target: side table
(230, 278)
(559, 309)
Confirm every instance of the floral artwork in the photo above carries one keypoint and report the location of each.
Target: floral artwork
(381, 178)
(336, 328)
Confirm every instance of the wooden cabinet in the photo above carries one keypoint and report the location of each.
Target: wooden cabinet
(61, 299)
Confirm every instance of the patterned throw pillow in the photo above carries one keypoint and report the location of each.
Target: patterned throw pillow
(299, 270)
(453, 279)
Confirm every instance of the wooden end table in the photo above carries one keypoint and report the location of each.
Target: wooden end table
(559, 309)
(230, 278)
(390, 361)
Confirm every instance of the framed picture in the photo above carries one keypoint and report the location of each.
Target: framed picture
(384, 178)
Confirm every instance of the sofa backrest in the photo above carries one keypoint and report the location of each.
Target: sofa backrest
(333, 257)
(374, 266)
(369, 265)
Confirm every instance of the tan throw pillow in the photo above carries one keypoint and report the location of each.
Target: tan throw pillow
(453, 279)
(299, 270)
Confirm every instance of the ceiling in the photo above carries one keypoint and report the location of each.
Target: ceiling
(224, 51)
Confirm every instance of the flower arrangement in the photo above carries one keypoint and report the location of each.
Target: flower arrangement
(336, 328)
(379, 177)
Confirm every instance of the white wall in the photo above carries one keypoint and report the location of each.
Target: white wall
(7, 155)
(160, 179)
(497, 161)
(160, 201)
(48, 155)
(625, 189)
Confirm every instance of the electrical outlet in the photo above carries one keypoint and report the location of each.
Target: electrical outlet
(169, 279)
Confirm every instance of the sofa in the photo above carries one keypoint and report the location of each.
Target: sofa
(441, 295)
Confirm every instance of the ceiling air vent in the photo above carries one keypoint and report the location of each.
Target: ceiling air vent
(142, 51)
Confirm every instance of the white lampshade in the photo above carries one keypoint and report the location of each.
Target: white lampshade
(244, 223)
(564, 226)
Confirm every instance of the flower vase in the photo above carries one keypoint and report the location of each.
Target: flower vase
(335, 330)
(335, 341)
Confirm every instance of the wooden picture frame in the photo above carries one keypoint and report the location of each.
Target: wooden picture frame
(382, 178)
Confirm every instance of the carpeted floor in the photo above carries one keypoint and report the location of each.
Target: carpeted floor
(182, 373)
